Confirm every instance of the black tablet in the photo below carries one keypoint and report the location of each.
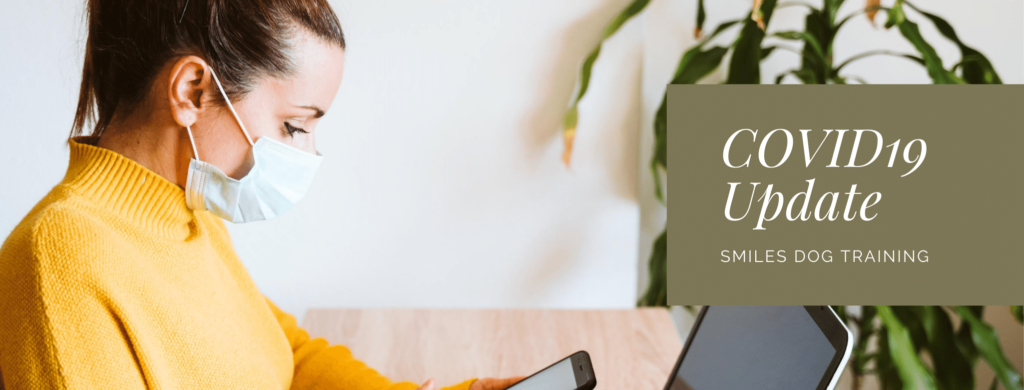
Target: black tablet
(763, 347)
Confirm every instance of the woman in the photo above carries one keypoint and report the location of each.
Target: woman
(123, 276)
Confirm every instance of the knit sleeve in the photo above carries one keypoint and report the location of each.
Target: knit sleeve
(56, 332)
(322, 366)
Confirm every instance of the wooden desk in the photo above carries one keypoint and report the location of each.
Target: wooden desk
(630, 349)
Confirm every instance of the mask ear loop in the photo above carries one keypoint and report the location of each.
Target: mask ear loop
(193, 141)
(230, 107)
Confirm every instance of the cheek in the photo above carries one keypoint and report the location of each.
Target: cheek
(260, 120)
(223, 145)
(304, 142)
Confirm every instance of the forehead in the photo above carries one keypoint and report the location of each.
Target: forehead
(317, 76)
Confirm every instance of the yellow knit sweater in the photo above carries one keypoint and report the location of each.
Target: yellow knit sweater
(111, 282)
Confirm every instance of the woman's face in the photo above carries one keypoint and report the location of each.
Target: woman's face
(286, 110)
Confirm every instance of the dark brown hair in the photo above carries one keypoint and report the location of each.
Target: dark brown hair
(243, 40)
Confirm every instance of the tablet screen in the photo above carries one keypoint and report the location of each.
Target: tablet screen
(755, 347)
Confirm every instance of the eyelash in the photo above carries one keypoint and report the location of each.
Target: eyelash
(292, 129)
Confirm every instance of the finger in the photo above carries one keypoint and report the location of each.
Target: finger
(428, 385)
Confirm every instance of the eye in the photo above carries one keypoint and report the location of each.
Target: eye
(292, 129)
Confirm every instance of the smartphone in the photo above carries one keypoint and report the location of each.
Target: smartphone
(572, 373)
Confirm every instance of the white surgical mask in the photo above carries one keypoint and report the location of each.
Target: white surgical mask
(280, 177)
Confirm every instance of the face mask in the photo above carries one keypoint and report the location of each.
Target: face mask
(280, 177)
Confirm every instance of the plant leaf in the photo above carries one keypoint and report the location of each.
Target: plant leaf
(701, 16)
(987, 342)
(694, 65)
(745, 64)
(977, 71)
(817, 59)
(896, 15)
(807, 38)
(963, 337)
(952, 369)
(657, 289)
(871, 8)
(932, 61)
(847, 18)
(1018, 313)
(912, 371)
(757, 15)
(569, 121)
(794, 4)
(885, 368)
(965, 60)
(832, 8)
(697, 63)
(835, 71)
(910, 317)
(866, 323)
(805, 75)
(660, 158)
(718, 30)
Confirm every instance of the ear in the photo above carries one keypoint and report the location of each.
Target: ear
(189, 77)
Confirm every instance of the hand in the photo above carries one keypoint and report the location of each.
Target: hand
(428, 385)
(494, 383)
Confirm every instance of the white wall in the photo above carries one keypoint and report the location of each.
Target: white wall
(442, 185)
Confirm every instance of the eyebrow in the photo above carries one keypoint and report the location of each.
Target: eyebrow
(319, 111)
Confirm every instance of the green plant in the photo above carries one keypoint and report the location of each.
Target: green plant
(901, 332)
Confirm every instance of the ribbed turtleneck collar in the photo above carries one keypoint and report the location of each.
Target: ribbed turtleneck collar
(127, 188)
